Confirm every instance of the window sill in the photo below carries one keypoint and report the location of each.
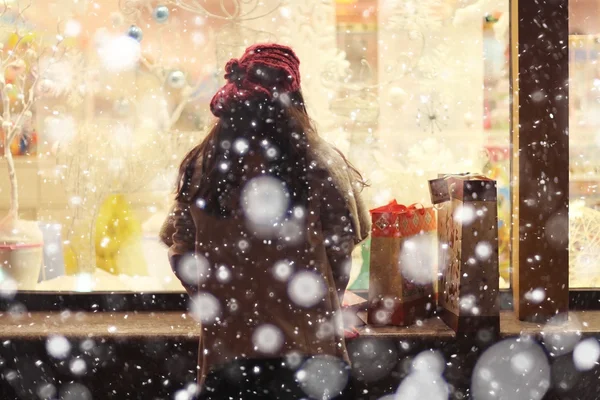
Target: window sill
(434, 328)
(35, 325)
(181, 326)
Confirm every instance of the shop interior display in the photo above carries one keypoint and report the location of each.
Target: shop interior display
(106, 197)
(128, 99)
(21, 241)
(584, 163)
(115, 123)
(584, 245)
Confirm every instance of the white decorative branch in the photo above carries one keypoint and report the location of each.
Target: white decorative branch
(23, 79)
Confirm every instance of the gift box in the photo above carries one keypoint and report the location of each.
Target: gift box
(402, 264)
(468, 251)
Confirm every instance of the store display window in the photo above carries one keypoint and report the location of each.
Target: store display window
(99, 110)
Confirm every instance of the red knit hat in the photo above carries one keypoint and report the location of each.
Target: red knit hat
(263, 70)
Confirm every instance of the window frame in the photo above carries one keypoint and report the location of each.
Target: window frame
(539, 257)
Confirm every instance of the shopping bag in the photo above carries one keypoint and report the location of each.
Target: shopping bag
(468, 251)
(402, 264)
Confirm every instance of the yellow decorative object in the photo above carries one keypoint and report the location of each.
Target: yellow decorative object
(14, 38)
(71, 265)
(118, 238)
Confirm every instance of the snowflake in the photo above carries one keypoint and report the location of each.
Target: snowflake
(433, 114)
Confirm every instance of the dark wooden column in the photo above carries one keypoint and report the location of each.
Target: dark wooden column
(540, 164)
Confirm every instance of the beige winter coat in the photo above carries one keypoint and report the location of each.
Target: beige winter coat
(263, 308)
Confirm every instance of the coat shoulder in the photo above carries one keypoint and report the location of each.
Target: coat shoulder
(326, 159)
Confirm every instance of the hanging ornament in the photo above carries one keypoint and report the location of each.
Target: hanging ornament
(135, 32)
(161, 14)
(398, 96)
(176, 79)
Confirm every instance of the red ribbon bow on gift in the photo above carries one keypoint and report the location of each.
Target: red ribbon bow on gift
(391, 219)
(394, 207)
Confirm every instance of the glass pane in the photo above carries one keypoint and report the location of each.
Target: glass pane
(407, 90)
(356, 25)
(485, 124)
(584, 143)
(444, 102)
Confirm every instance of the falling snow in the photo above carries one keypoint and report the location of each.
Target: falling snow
(102, 100)
(306, 289)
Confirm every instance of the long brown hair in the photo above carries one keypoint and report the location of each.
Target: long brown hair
(283, 124)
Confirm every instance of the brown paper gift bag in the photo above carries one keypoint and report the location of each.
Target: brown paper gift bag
(402, 269)
(468, 251)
